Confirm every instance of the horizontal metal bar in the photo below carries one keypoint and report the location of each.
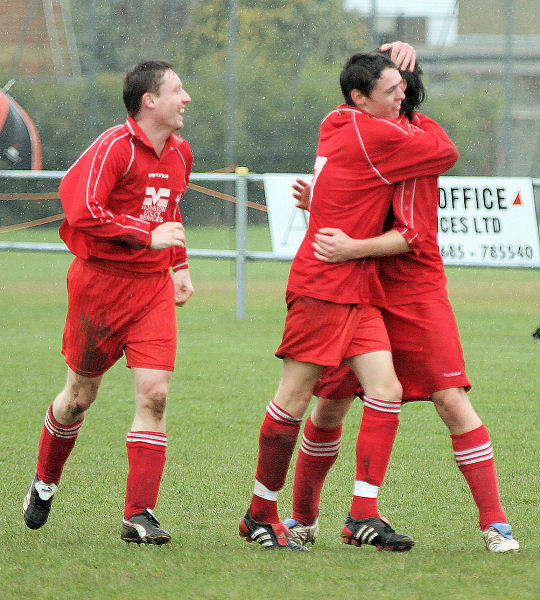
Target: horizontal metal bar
(224, 177)
(193, 253)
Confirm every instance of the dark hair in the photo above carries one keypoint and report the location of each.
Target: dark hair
(140, 79)
(415, 93)
(361, 71)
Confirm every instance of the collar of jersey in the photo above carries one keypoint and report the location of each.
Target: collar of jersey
(137, 132)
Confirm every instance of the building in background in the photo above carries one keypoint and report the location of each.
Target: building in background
(431, 23)
(491, 43)
(36, 37)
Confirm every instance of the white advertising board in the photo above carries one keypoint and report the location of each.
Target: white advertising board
(287, 223)
(483, 221)
(488, 221)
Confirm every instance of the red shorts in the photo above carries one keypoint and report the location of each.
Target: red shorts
(325, 333)
(426, 351)
(110, 314)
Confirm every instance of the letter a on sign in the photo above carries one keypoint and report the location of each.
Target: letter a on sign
(288, 224)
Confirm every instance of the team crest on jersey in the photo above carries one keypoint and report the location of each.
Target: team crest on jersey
(155, 204)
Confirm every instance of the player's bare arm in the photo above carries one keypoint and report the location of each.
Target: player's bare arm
(333, 245)
(183, 287)
(167, 235)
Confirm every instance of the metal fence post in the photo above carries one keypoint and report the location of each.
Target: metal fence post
(241, 234)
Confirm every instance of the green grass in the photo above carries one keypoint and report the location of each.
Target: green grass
(226, 373)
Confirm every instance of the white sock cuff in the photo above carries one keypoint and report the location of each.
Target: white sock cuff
(263, 492)
(365, 490)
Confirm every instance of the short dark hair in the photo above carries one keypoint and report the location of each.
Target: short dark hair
(140, 79)
(415, 93)
(360, 73)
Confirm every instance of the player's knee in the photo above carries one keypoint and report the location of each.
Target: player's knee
(154, 401)
(71, 404)
(390, 391)
(451, 400)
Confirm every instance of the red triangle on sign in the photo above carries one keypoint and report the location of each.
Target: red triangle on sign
(518, 198)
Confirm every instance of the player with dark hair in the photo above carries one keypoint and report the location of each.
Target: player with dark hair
(427, 357)
(123, 224)
(331, 313)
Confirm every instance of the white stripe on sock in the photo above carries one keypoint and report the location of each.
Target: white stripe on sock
(61, 431)
(382, 405)
(320, 448)
(147, 438)
(280, 415)
(474, 455)
(476, 449)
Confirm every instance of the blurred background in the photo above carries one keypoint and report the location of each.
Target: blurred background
(263, 73)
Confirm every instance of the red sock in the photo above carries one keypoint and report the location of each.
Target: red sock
(146, 457)
(55, 445)
(474, 457)
(318, 452)
(279, 431)
(373, 449)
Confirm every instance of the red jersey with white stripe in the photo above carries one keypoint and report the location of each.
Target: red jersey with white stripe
(359, 159)
(117, 192)
(416, 275)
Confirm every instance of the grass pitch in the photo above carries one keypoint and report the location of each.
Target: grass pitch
(226, 373)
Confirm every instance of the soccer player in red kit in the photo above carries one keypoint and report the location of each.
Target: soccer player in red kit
(123, 224)
(427, 357)
(331, 315)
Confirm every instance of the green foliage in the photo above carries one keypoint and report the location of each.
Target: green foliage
(226, 372)
(470, 113)
(288, 57)
(59, 110)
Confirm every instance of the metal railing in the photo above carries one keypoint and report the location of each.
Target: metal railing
(241, 255)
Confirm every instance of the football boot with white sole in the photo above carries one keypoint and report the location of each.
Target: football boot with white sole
(498, 538)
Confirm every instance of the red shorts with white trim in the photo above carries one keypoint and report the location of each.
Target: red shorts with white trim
(426, 351)
(111, 314)
(325, 333)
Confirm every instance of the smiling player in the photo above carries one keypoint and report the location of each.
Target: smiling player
(123, 225)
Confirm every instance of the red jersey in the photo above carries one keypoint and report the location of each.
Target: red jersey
(418, 274)
(117, 192)
(359, 159)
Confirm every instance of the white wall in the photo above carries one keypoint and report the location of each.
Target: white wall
(442, 22)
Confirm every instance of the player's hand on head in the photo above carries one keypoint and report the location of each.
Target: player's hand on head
(302, 192)
(403, 55)
(167, 235)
